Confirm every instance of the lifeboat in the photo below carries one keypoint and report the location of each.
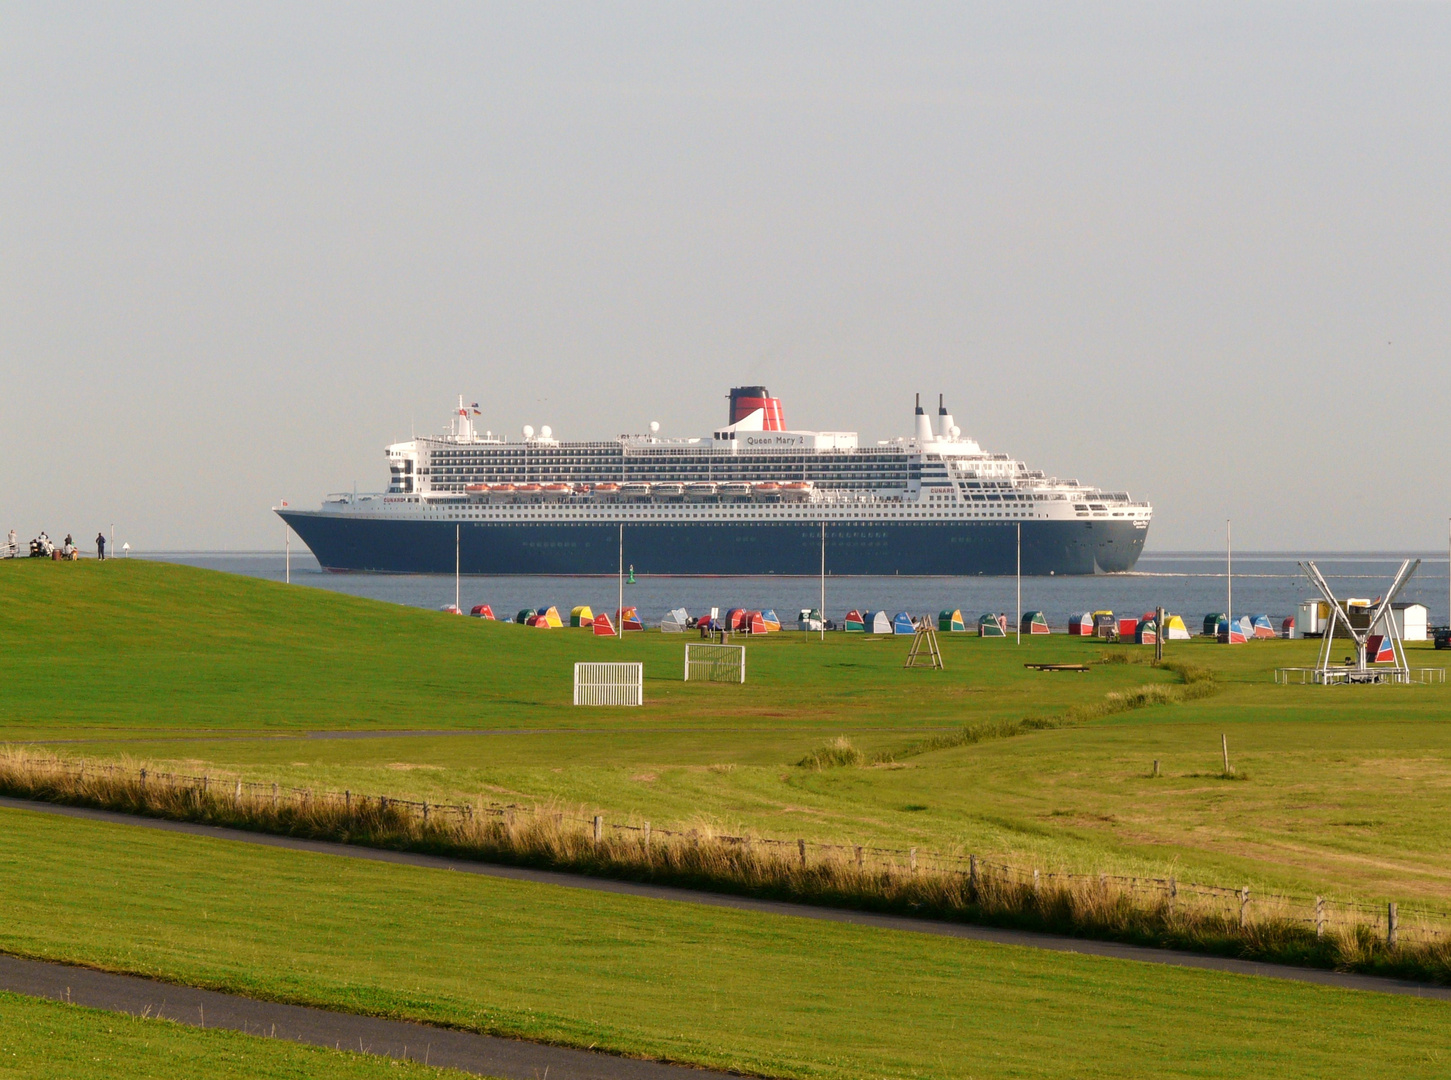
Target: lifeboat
(526, 489)
(635, 488)
(735, 488)
(796, 490)
(558, 490)
(768, 487)
(607, 490)
(669, 488)
(501, 489)
(702, 490)
(476, 489)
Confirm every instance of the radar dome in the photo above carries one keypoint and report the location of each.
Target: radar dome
(654, 427)
(956, 431)
(528, 431)
(546, 431)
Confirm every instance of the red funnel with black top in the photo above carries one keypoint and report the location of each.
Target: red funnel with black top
(747, 399)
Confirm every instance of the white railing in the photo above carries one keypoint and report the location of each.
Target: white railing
(715, 663)
(597, 683)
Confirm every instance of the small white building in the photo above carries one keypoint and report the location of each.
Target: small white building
(1411, 621)
(1311, 618)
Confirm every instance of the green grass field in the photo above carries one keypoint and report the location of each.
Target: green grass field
(49, 1040)
(1346, 793)
(765, 994)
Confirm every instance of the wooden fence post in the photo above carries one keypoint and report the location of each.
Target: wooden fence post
(912, 859)
(1319, 916)
(860, 860)
(1244, 907)
(801, 846)
(972, 874)
(1393, 924)
(237, 796)
(425, 809)
(599, 828)
(274, 796)
(1156, 767)
(143, 778)
(1036, 886)
(647, 836)
(1173, 894)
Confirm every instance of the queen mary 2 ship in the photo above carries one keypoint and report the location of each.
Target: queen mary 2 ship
(756, 497)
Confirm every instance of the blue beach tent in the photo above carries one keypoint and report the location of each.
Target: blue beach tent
(902, 624)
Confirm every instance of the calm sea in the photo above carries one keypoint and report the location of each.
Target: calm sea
(1189, 583)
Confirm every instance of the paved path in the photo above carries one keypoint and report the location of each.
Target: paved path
(774, 907)
(481, 1054)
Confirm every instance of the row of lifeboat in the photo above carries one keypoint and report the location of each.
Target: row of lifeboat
(730, 489)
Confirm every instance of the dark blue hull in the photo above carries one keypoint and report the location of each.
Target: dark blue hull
(378, 545)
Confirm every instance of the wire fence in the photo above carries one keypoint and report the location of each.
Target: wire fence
(973, 877)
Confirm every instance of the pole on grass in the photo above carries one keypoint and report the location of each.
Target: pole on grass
(822, 610)
(1229, 572)
(455, 568)
(620, 611)
(287, 552)
(1020, 583)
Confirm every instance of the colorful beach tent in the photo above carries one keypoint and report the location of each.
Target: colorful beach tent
(1080, 625)
(1103, 624)
(1147, 632)
(1212, 621)
(1378, 649)
(602, 625)
(950, 621)
(878, 623)
(1230, 632)
(630, 619)
(581, 616)
(1263, 628)
(768, 617)
(675, 621)
(1246, 627)
(524, 615)
(1034, 622)
(1174, 629)
(1287, 627)
(989, 626)
(809, 619)
(856, 622)
(902, 623)
(1127, 627)
(482, 611)
(550, 615)
(753, 623)
(735, 619)
(540, 622)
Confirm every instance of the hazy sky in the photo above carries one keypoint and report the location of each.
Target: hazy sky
(1198, 252)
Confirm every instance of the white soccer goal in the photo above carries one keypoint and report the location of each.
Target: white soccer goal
(715, 663)
(609, 684)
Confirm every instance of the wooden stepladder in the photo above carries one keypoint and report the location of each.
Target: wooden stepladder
(925, 635)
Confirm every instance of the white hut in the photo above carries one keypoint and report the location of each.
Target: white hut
(1411, 620)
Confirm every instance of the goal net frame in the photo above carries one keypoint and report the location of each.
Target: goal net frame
(609, 683)
(716, 663)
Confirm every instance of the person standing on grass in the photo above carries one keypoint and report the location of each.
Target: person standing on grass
(101, 546)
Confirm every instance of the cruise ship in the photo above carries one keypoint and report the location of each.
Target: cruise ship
(755, 497)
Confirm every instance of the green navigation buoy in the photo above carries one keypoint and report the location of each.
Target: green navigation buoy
(631, 579)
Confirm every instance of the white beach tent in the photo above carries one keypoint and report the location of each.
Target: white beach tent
(674, 621)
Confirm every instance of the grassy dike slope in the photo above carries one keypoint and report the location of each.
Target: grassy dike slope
(48, 1040)
(765, 994)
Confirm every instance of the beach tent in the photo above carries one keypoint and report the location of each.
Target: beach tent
(1080, 625)
(525, 614)
(1230, 632)
(1103, 624)
(482, 611)
(989, 626)
(1211, 623)
(1174, 629)
(878, 623)
(602, 625)
(1263, 628)
(1246, 627)
(550, 615)
(1127, 627)
(1034, 622)
(856, 622)
(950, 621)
(768, 617)
(675, 621)
(809, 619)
(902, 623)
(1147, 632)
(451, 609)
(1378, 649)
(540, 622)
(630, 619)
(735, 619)
(1287, 627)
(582, 616)
(753, 623)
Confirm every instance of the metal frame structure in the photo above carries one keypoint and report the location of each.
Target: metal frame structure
(611, 683)
(720, 663)
(1362, 672)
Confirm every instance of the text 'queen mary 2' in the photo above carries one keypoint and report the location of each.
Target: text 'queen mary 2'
(751, 499)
